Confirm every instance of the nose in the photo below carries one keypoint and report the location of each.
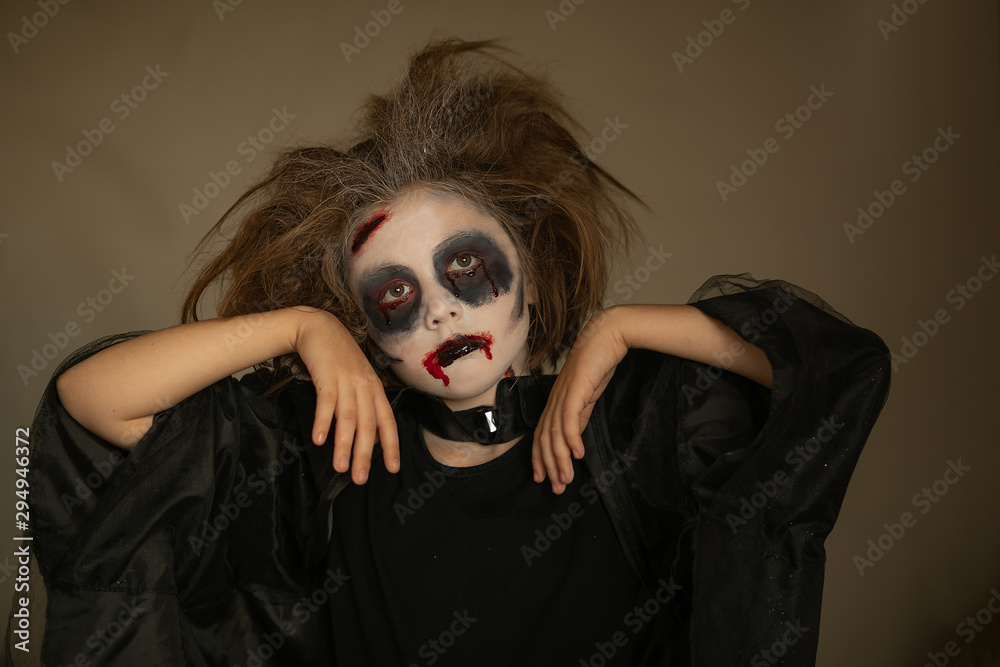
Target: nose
(442, 308)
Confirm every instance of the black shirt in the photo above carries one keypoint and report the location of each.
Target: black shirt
(478, 565)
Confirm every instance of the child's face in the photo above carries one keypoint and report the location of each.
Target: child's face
(444, 295)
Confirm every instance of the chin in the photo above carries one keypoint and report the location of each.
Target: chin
(465, 380)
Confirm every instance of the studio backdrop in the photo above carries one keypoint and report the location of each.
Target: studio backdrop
(848, 147)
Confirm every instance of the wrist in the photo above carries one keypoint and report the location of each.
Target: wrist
(300, 318)
(610, 323)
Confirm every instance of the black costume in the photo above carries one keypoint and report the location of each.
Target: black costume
(207, 544)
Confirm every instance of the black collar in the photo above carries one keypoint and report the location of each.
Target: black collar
(519, 404)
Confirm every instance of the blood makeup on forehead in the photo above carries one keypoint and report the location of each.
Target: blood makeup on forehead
(366, 230)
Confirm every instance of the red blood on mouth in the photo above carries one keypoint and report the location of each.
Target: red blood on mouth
(432, 362)
(367, 229)
(434, 368)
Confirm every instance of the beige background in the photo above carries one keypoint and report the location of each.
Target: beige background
(119, 208)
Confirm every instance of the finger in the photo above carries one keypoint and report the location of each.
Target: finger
(560, 450)
(364, 439)
(537, 465)
(548, 428)
(326, 402)
(387, 433)
(576, 411)
(343, 435)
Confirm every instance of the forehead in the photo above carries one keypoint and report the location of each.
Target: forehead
(408, 231)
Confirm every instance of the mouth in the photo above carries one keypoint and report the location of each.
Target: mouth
(454, 349)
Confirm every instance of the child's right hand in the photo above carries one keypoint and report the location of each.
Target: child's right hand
(347, 389)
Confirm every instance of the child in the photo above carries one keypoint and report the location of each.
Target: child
(445, 261)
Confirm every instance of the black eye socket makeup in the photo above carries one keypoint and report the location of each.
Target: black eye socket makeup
(391, 299)
(473, 268)
(469, 264)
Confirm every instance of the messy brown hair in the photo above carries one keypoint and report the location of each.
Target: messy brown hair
(464, 121)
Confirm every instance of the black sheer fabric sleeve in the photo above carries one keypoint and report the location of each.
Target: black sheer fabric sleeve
(768, 502)
(736, 486)
(186, 550)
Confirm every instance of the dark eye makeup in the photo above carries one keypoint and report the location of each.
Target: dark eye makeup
(469, 265)
(391, 299)
(473, 268)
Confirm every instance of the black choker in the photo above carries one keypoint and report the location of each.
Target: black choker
(486, 425)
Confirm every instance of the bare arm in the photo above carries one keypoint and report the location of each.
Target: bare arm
(685, 331)
(116, 392)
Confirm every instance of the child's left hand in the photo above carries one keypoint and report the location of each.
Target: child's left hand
(589, 366)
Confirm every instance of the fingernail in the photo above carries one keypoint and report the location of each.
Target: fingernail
(363, 476)
(320, 438)
(342, 463)
(564, 477)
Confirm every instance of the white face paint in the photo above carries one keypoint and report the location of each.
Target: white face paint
(444, 294)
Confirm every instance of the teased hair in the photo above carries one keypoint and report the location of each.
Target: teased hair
(463, 121)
